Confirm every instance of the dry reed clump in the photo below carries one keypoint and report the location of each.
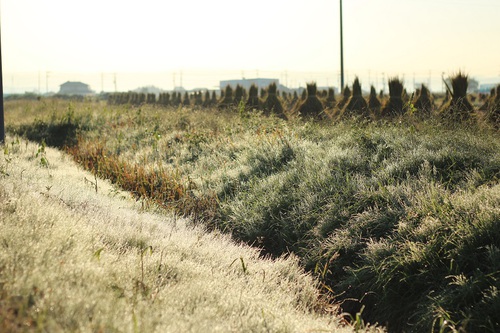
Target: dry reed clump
(394, 106)
(213, 99)
(226, 98)
(357, 104)
(285, 96)
(293, 105)
(164, 99)
(263, 93)
(253, 101)
(424, 103)
(295, 97)
(488, 101)
(330, 101)
(312, 106)
(459, 108)
(445, 101)
(374, 104)
(406, 97)
(239, 95)
(272, 104)
(150, 98)
(493, 111)
(346, 95)
(186, 101)
(207, 102)
(198, 98)
(133, 98)
(141, 98)
(176, 99)
(303, 95)
(322, 94)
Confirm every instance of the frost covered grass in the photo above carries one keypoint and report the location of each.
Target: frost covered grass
(397, 218)
(79, 255)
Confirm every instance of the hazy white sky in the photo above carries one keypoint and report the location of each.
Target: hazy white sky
(382, 38)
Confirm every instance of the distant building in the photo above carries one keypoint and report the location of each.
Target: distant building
(75, 88)
(247, 83)
(148, 90)
(486, 88)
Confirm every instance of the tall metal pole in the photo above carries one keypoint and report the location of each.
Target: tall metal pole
(2, 124)
(341, 51)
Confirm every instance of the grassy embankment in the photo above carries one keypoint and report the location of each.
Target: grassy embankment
(400, 219)
(81, 256)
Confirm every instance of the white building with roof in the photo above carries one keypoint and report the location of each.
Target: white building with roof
(75, 88)
(261, 83)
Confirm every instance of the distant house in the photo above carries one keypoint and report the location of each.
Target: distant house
(246, 83)
(148, 90)
(486, 88)
(75, 88)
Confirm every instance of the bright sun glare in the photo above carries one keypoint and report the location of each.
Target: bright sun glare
(204, 41)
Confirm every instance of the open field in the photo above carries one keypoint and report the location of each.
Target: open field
(84, 257)
(398, 219)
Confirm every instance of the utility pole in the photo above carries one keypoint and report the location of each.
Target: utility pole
(341, 51)
(2, 123)
(47, 73)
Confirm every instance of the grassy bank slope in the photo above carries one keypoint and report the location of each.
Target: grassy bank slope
(400, 218)
(81, 257)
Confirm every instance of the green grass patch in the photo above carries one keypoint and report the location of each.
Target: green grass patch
(398, 220)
